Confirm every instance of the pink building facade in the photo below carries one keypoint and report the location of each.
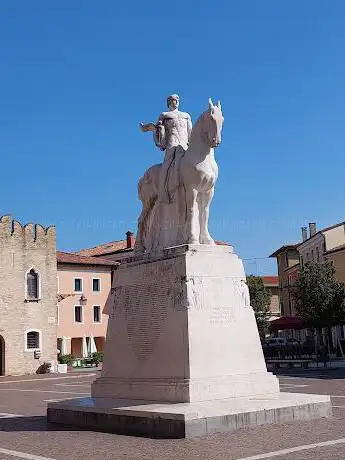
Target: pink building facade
(84, 285)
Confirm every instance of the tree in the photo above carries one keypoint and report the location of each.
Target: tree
(319, 296)
(260, 299)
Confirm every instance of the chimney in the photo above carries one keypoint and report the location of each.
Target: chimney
(304, 233)
(130, 239)
(312, 229)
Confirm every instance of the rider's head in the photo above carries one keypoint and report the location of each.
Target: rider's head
(173, 101)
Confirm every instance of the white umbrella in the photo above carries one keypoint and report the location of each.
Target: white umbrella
(63, 350)
(84, 352)
(92, 345)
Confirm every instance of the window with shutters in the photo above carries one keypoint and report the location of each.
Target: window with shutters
(78, 285)
(96, 285)
(78, 314)
(96, 314)
(32, 340)
(32, 285)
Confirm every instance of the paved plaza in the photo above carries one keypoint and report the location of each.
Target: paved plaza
(25, 434)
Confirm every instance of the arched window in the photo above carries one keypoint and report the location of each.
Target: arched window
(32, 340)
(32, 284)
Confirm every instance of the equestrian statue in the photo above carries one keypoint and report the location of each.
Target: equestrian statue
(177, 193)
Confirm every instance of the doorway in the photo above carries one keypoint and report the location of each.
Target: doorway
(2, 355)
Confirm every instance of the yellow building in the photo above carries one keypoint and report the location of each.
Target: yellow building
(337, 257)
(271, 283)
(288, 266)
(317, 246)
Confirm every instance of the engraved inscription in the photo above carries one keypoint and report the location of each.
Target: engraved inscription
(145, 309)
(162, 270)
(145, 312)
(221, 316)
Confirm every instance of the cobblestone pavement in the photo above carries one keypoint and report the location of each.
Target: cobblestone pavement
(24, 433)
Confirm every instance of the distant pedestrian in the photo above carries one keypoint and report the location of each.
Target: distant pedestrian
(324, 355)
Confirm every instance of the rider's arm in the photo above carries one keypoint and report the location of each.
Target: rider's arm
(189, 126)
(159, 133)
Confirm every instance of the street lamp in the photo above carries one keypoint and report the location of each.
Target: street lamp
(82, 300)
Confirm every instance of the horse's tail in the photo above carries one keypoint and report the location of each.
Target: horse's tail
(147, 192)
(147, 185)
(141, 187)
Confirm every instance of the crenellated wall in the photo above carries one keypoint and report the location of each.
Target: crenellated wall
(30, 235)
(21, 249)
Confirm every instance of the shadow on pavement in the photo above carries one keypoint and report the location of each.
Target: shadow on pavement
(318, 373)
(39, 423)
(33, 423)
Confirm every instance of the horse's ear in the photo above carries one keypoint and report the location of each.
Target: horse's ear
(210, 104)
(218, 105)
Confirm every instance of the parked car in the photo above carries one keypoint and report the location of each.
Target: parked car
(292, 342)
(275, 342)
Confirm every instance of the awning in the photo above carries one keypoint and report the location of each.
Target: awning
(287, 322)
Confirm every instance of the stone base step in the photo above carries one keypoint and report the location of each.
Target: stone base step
(186, 420)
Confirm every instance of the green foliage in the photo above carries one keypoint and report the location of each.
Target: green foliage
(319, 296)
(260, 299)
(66, 359)
(98, 356)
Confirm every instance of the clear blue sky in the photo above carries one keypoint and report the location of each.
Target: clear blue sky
(77, 77)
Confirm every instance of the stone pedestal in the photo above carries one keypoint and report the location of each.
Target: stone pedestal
(179, 330)
(183, 351)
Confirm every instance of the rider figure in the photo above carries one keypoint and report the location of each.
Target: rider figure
(171, 133)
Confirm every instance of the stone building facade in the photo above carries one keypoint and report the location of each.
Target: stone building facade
(28, 277)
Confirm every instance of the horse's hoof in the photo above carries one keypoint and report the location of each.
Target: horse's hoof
(192, 242)
(209, 241)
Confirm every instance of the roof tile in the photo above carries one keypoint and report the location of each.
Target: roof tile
(114, 246)
(69, 258)
(105, 248)
(270, 279)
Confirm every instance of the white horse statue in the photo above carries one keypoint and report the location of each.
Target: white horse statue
(185, 219)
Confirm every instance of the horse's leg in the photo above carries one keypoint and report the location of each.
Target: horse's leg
(192, 217)
(204, 201)
(181, 213)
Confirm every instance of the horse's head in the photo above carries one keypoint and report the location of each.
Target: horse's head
(214, 123)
